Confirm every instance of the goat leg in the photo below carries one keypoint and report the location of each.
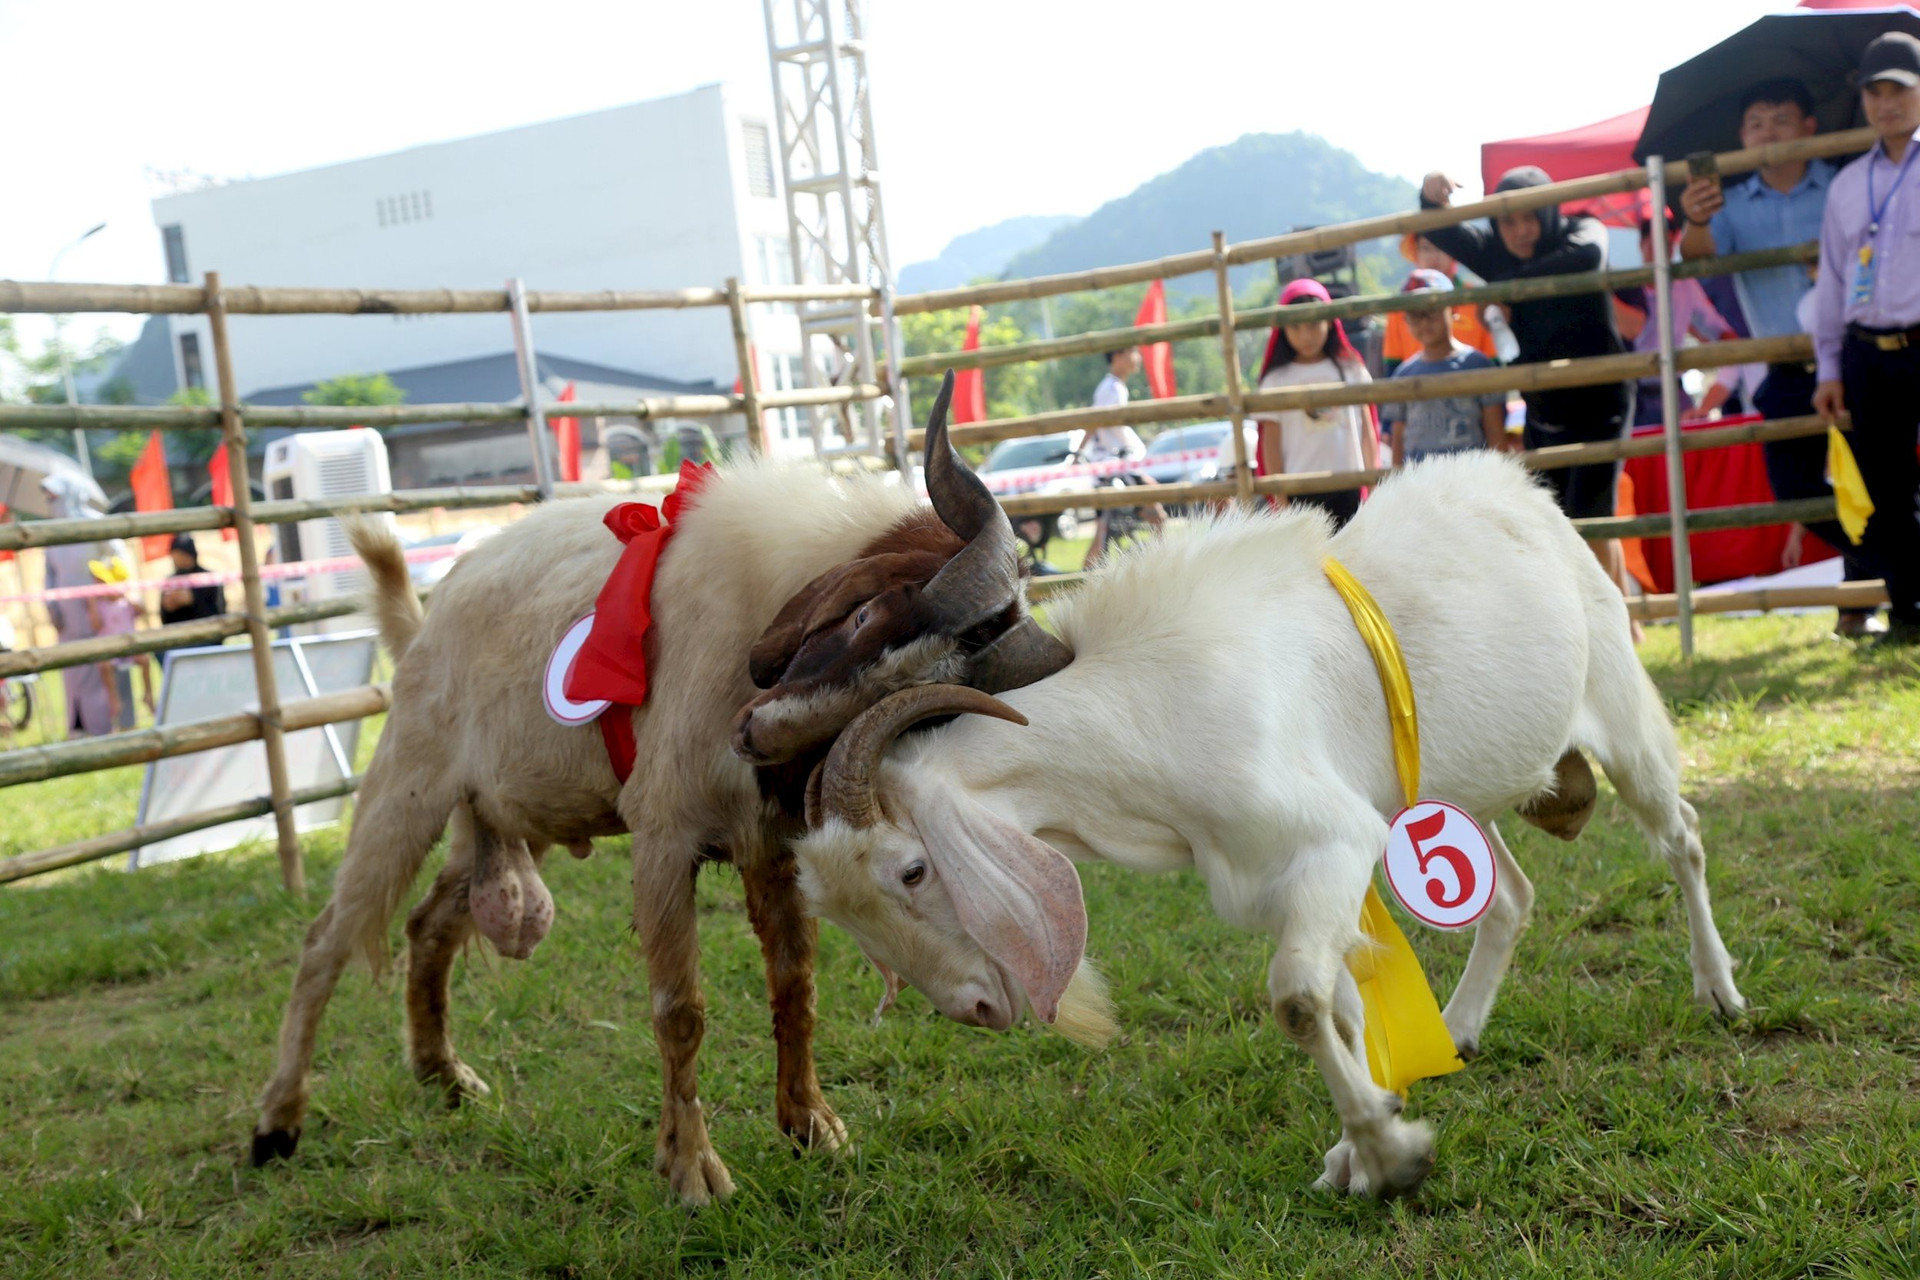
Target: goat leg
(509, 902)
(788, 941)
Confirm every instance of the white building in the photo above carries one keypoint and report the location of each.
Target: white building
(676, 192)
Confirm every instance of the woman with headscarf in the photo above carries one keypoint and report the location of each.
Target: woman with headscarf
(89, 709)
(1546, 242)
(1338, 438)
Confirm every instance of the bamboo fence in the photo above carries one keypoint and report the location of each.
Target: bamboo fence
(233, 418)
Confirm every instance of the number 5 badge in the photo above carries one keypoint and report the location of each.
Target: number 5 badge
(1440, 865)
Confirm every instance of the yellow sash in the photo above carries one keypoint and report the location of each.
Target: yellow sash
(1406, 1038)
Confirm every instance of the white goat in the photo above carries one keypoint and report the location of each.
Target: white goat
(1222, 713)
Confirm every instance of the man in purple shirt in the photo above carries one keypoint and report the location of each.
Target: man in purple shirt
(1866, 323)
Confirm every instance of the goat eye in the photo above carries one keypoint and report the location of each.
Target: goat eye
(914, 874)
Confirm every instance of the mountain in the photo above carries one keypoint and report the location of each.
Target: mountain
(982, 253)
(1261, 185)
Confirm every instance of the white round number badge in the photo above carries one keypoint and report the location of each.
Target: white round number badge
(1440, 865)
(559, 666)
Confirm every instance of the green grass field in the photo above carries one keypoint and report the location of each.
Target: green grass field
(1609, 1128)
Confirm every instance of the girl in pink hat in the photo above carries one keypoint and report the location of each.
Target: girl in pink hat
(1338, 438)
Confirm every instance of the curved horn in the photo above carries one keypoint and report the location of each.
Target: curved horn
(1024, 653)
(846, 785)
(962, 501)
(984, 577)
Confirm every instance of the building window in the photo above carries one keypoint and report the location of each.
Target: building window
(786, 377)
(759, 157)
(190, 371)
(408, 206)
(176, 245)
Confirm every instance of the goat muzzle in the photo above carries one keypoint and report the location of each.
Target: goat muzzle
(846, 780)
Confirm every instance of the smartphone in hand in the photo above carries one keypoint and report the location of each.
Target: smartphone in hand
(1703, 164)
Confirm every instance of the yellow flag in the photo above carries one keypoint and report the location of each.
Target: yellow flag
(1406, 1037)
(1849, 489)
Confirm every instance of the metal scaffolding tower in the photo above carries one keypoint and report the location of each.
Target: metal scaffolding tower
(816, 50)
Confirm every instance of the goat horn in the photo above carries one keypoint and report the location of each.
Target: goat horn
(1024, 653)
(846, 786)
(983, 579)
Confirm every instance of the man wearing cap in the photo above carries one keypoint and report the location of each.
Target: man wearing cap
(1866, 318)
(184, 604)
(1422, 428)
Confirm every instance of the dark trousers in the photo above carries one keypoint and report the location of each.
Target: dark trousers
(1881, 394)
(1342, 506)
(1798, 468)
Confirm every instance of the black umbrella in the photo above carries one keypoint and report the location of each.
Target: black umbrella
(1697, 107)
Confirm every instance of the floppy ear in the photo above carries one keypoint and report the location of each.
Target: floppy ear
(1016, 896)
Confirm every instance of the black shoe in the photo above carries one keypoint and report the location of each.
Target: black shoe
(1898, 635)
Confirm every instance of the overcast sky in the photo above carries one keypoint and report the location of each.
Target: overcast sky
(983, 110)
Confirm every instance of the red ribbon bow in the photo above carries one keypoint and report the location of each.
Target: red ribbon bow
(612, 665)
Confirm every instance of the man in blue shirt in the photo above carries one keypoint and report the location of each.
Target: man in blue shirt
(1777, 206)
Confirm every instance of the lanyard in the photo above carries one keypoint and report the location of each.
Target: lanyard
(1875, 214)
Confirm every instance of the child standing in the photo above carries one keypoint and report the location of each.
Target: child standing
(1422, 428)
(117, 615)
(1340, 438)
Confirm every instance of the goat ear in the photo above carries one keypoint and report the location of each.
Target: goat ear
(1016, 896)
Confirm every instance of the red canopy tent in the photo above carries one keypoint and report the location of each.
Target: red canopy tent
(1603, 147)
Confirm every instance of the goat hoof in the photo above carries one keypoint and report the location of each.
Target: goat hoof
(813, 1126)
(1721, 998)
(456, 1078)
(275, 1144)
(697, 1177)
(1467, 1049)
(1394, 1163)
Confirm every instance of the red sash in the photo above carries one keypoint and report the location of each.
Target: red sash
(612, 664)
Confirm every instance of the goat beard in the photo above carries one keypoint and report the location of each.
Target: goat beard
(1085, 1015)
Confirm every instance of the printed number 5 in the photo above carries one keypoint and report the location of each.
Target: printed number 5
(1426, 829)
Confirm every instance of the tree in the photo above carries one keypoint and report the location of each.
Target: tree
(1012, 389)
(356, 389)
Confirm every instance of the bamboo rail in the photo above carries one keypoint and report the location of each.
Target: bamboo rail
(259, 638)
(161, 742)
(92, 417)
(1848, 595)
(1546, 376)
(1230, 361)
(31, 297)
(1342, 234)
(1525, 290)
(178, 635)
(81, 851)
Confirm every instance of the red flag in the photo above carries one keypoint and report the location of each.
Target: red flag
(970, 385)
(153, 491)
(222, 486)
(1156, 356)
(566, 436)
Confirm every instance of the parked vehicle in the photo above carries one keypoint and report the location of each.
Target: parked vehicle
(1031, 465)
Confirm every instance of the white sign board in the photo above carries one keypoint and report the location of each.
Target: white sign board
(218, 681)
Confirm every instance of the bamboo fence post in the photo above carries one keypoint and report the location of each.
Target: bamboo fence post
(545, 463)
(1670, 407)
(259, 638)
(749, 379)
(1230, 358)
(895, 381)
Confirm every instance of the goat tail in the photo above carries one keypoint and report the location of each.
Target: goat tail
(394, 604)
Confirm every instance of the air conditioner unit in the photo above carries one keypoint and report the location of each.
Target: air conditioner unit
(324, 464)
